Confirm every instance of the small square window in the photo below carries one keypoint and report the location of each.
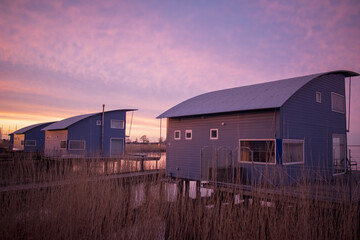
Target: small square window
(98, 122)
(318, 97)
(213, 134)
(188, 134)
(177, 135)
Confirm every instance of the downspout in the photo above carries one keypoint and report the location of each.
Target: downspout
(102, 130)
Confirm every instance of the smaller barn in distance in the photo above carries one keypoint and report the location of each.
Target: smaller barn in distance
(273, 131)
(91, 135)
(29, 139)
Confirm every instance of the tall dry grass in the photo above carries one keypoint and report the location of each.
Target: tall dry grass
(134, 209)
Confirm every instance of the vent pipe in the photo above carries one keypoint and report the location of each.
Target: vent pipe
(348, 127)
(102, 129)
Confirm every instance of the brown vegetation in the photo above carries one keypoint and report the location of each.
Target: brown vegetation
(134, 209)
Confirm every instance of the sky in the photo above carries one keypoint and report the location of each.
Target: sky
(64, 58)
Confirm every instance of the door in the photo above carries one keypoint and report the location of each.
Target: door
(116, 147)
(339, 154)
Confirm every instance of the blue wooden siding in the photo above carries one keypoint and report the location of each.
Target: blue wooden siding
(88, 131)
(184, 156)
(39, 136)
(304, 118)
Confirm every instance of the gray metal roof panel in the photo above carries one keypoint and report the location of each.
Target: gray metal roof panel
(63, 124)
(259, 96)
(28, 128)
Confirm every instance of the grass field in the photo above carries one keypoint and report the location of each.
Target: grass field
(117, 209)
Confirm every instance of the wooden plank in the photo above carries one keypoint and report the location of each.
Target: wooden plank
(30, 186)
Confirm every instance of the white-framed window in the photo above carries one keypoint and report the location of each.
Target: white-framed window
(119, 124)
(188, 134)
(30, 143)
(214, 134)
(76, 145)
(337, 103)
(177, 134)
(339, 153)
(98, 122)
(257, 151)
(318, 97)
(293, 151)
(63, 144)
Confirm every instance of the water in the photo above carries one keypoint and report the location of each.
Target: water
(354, 150)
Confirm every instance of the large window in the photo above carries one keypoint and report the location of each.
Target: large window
(293, 151)
(337, 103)
(76, 145)
(257, 151)
(30, 143)
(119, 124)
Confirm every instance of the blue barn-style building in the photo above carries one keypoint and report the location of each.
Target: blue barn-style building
(90, 135)
(274, 131)
(29, 139)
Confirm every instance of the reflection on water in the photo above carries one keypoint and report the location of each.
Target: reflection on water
(121, 165)
(354, 152)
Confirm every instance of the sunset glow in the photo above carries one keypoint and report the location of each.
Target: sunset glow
(64, 58)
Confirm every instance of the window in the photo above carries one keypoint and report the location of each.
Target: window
(293, 151)
(188, 134)
(177, 134)
(22, 142)
(257, 151)
(98, 122)
(76, 145)
(119, 124)
(213, 134)
(318, 97)
(63, 144)
(337, 103)
(30, 143)
(339, 153)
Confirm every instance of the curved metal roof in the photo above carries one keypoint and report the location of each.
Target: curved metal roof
(63, 124)
(259, 96)
(28, 128)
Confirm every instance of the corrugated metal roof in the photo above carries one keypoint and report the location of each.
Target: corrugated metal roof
(28, 128)
(259, 96)
(63, 124)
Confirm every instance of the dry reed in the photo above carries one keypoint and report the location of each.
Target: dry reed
(134, 209)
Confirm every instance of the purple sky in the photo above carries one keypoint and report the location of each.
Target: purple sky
(64, 58)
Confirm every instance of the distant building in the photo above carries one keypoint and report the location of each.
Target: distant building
(87, 135)
(29, 139)
(272, 131)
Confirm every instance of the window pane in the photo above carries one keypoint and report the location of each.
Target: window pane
(188, 134)
(337, 103)
(76, 145)
(177, 135)
(30, 143)
(293, 151)
(258, 151)
(117, 124)
(62, 144)
(213, 133)
(338, 154)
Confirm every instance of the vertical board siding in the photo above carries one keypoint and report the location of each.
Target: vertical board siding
(304, 118)
(184, 156)
(88, 131)
(39, 136)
